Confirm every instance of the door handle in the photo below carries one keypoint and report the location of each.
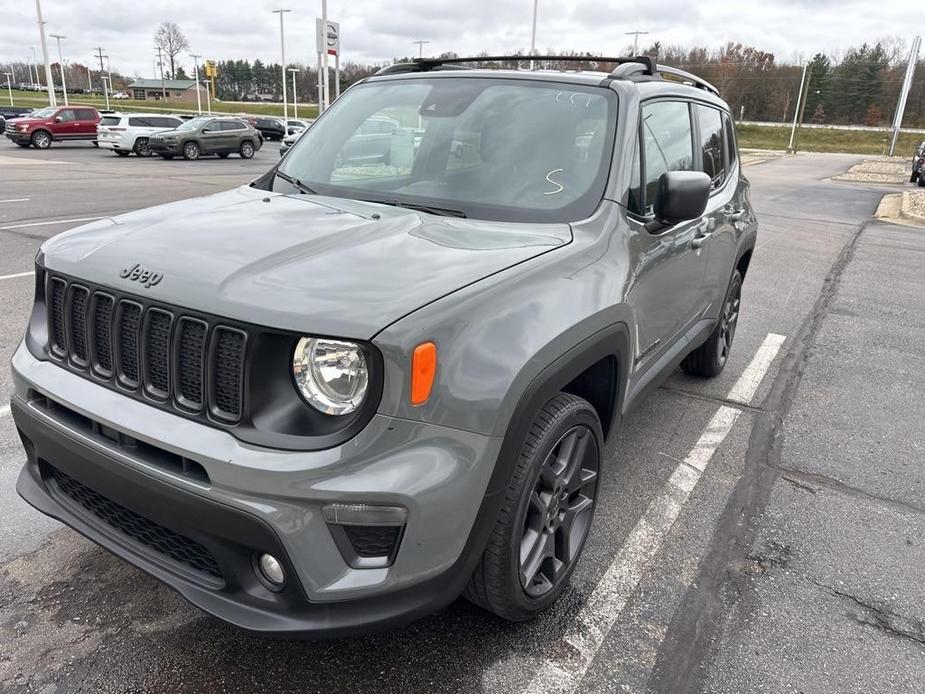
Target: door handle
(737, 216)
(698, 241)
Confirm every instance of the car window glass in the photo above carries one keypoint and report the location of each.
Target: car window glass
(66, 115)
(730, 139)
(111, 120)
(86, 114)
(634, 201)
(668, 144)
(712, 145)
(139, 122)
(232, 125)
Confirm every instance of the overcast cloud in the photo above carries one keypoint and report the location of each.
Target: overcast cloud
(377, 31)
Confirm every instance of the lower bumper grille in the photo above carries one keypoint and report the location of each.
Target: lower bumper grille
(166, 542)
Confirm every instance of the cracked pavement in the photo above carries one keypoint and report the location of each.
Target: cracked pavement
(795, 565)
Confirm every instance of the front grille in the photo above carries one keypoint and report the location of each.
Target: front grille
(190, 363)
(162, 540)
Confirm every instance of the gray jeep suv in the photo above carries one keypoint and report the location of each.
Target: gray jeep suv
(206, 135)
(343, 395)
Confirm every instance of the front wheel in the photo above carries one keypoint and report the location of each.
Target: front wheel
(246, 150)
(191, 151)
(546, 513)
(710, 358)
(41, 139)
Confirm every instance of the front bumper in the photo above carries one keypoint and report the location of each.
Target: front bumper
(161, 147)
(257, 500)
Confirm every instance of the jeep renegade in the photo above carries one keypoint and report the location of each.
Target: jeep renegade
(341, 396)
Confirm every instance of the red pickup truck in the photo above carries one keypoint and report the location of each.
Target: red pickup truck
(54, 124)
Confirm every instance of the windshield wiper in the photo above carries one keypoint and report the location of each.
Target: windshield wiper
(429, 209)
(297, 183)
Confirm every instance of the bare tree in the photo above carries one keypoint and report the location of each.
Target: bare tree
(171, 40)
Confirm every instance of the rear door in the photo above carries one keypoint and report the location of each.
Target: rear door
(233, 130)
(668, 292)
(86, 122)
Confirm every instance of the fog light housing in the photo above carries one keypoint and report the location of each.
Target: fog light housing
(271, 570)
(367, 535)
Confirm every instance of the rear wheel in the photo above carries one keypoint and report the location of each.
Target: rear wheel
(191, 151)
(546, 513)
(710, 358)
(41, 139)
(142, 148)
(246, 150)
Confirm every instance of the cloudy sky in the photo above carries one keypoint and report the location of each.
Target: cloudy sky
(374, 31)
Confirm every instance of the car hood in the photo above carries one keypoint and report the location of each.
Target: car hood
(305, 263)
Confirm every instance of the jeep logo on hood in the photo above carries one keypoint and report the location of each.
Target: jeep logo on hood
(136, 273)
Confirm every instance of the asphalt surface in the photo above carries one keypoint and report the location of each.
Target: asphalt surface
(760, 532)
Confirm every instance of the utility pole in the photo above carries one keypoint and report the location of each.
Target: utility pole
(533, 35)
(904, 93)
(61, 65)
(89, 79)
(106, 87)
(160, 65)
(52, 101)
(282, 48)
(420, 45)
(295, 99)
(35, 62)
(636, 35)
(809, 79)
(12, 71)
(99, 54)
(796, 110)
(196, 76)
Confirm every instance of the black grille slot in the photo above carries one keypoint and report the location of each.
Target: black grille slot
(162, 540)
(157, 352)
(227, 372)
(191, 347)
(373, 540)
(80, 297)
(57, 289)
(102, 334)
(129, 322)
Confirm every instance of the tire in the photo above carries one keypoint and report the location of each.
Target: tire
(914, 177)
(709, 359)
(141, 148)
(246, 150)
(191, 151)
(121, 153)
(223, 155)
(536, 516)
(41, 139)
(921, 181)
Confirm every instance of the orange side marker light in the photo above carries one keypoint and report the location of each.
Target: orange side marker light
(423, 370)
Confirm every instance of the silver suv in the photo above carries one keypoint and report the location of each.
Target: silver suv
(343, 395)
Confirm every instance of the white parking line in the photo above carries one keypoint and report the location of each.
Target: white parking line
(17, 274)
(744, 389)
(599, 613)
(15, 200)
(10, 227)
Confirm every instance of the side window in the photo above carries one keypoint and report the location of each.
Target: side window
(667, 143)
(730, 139)
(232, 125)
(140, 122)
(635, 202)
(85, 114)
(66, 115)
(712, 145)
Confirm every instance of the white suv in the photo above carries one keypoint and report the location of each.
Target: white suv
(129, 132)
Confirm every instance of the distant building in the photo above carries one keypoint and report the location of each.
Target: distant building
(171, 89)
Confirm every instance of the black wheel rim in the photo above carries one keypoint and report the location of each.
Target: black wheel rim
(728, 322)
(559, 511)
(144, 150)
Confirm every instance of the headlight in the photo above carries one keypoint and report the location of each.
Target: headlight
(22, 128)
(331, 375)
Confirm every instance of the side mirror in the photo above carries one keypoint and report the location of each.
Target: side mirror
(59, 119)
(206, 130)
(681, 196)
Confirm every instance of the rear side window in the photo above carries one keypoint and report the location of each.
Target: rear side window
(66, 115)
(140, 122)
(232, 125)
(86, 114)
(110, 120)
(712, 145)
(668, 144)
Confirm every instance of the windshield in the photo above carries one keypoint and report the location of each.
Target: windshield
(192, 124)
(507, 150)
(46, 112)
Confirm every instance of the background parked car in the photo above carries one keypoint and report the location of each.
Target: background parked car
(918, 164)
(294, 125)
(10, 112)
(289, 140)
(207, 135)
(270, 128)
(120, 95)
(129, 132)
(54, 124)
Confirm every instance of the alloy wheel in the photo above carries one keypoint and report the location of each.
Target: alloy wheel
(247, 150)
(190, 151)
(727, 326)
(559, 511)
(41, 140)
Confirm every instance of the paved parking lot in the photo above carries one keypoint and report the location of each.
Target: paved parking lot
(762, 532)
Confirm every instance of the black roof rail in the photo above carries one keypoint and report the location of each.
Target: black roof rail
(688, 77)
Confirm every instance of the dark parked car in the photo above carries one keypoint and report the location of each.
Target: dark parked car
(54, 124)
(207, 135)
(10, 112)
(918, 165)
(341, 395)
(270, 128)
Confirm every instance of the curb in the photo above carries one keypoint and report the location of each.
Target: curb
(904, 212)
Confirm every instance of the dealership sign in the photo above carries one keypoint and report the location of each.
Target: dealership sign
(329, 41)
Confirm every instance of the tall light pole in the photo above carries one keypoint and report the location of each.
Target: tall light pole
(636, 35)
(89, 79)
(324, 56)
(533, 34)
(104, 79)
(9, 87)
(35, 62)
(29, 65)
(49, 83)
(196, 58)
(61, 65)
(295, 99)
(420, 45)
(904, 92)
(12, 71)
(282, 49)
(108, 70)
